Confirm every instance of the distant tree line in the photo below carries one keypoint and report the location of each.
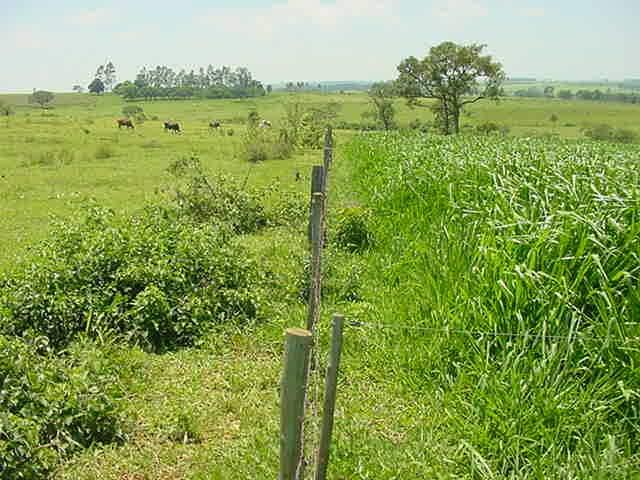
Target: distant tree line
(583, 94)
(162, 82)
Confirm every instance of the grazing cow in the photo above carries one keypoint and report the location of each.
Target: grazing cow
(265, 124)
(172, 127)
(214, 124)
(125, 122)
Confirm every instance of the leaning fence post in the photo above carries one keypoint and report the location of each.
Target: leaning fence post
(331, 385)
(292, 398)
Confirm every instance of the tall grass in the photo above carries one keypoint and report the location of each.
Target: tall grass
(538, 238)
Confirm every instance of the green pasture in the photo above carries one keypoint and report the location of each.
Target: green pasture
(51, 160)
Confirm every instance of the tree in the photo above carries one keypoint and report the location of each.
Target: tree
(269, 88)
(78, 88)
(5, 109)
(381, 98)
(455, 76)
(97, 86)
(548, 91)
(565, 94)
(41, 97)
(109, 75)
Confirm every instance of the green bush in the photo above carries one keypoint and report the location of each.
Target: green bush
(132, 111)
(5, 109)
(53, 406)
(488, 128)
(607, 133)
(153, 279)
(352, 232)
(216, 198)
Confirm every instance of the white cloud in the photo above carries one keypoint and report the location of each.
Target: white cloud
(533, 12)
(92, 17)
(289, 13)
(451, 10)
(25, 38)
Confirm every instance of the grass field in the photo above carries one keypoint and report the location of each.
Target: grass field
(54, 159)
(471, 233)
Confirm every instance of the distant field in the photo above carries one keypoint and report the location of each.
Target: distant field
(53, 160)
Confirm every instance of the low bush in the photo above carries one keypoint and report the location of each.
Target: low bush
(488, 128)
(607, 133)
(352, 232)
(153, 279)
(132, 110)
(217, 198)
(53, 406)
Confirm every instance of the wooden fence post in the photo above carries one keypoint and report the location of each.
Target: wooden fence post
(328, 153)
(292, 399)
(317, 186)
(317, 210)
(331, 386)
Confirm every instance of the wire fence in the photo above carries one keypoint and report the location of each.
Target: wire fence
(484, 333)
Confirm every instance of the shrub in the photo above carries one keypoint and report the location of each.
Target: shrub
(352, 231)
(488, 128)
(5, 109)
(215, 199)
(53, 406)
(607, 133)
(153, 279)
(132, 110)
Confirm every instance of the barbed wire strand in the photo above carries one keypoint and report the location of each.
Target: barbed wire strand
(459, 331)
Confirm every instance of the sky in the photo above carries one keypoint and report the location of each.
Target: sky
(55, 44)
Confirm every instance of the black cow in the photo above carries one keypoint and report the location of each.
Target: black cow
(172, 127)
(125, 122)
(214, 124)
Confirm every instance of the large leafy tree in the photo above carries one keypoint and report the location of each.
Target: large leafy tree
(455, 76)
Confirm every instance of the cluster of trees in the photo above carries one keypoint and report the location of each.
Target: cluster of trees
(301, 86)
(209, 82)
(583, 94)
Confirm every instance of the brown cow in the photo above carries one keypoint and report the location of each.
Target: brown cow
(125, 122)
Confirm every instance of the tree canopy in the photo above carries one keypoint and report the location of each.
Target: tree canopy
(96, 86)
(455, 76)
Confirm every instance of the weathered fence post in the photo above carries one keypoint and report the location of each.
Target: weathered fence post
(317, 186)
(292, 399)
(328, 153)
(331, 386)
(317, 210)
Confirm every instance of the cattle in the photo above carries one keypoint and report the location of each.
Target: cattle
(264, 124)
(125, 122)
(172, 127)
(214, 124)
